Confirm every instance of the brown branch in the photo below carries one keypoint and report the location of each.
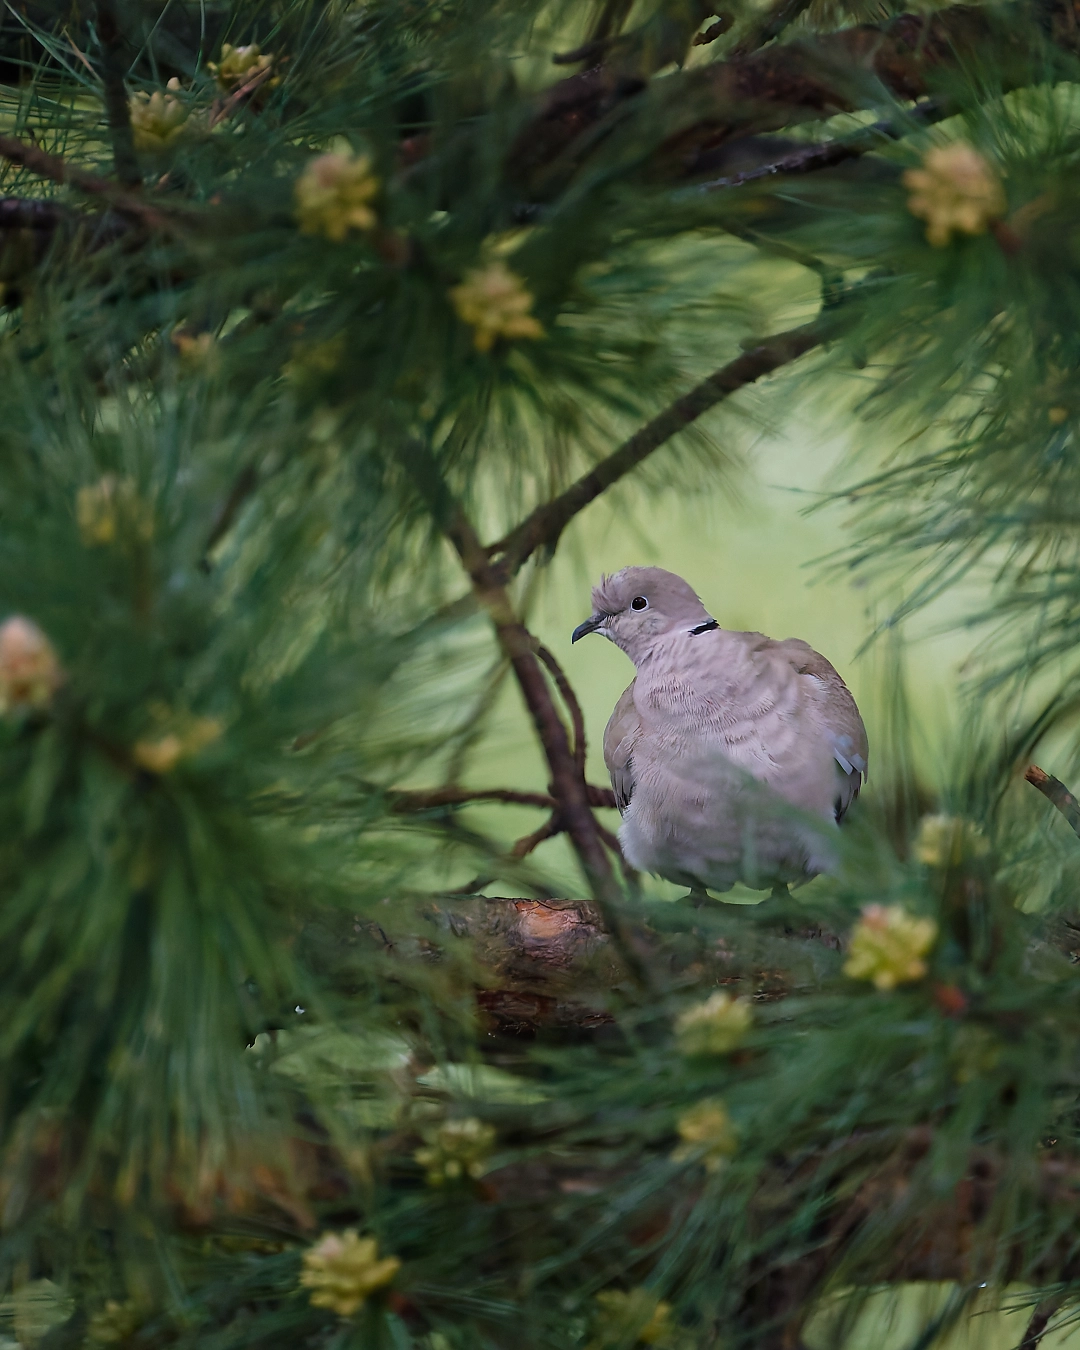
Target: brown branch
(543, 526)
(223, 108)
(786, 83)
(1040, 1320)
(525, 845)
(245, 483)
(517, 643)
(1056, 793)
(828, 153)
(403, 803)
(60, 171)
(113, 70)
(569, 698)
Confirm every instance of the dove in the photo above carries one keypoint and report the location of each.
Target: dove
(733, 757)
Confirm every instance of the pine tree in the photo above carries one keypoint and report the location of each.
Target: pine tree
(323, 322)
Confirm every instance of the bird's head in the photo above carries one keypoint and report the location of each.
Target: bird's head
(638, 605)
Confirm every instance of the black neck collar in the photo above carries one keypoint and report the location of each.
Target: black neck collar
(704, 628)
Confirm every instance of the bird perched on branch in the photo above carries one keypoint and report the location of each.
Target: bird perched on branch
(733, 757)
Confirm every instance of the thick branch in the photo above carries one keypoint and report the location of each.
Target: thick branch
(1055, 792)
(542, 528)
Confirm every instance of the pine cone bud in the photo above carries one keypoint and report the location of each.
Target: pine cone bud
(632, 1317)
(157, 119)
(333, 195)
(708, 1135)
(458, 1148)
(956, 189)
(715, 1026)
(888, 946)
(30, 672)
(342, 1269)
(239, 64)
(496, 303)
(947, 841)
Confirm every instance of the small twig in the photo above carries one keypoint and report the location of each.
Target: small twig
(542, 527)
(1056, 793)
(827, 153)
(525, 845)
(113, 70)
(714, 30)
(569, 698)
(404, 803)
(224, 108)
(81, 55)
(245, 483)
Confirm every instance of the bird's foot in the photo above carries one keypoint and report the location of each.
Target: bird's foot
(780, 891)
(698, 896)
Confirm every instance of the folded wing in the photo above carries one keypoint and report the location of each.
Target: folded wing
(839, 717)
(620, 737)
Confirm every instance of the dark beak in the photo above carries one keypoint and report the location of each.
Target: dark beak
(591, 624)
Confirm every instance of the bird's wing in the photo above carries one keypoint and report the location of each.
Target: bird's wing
(620, 737)
(839, 713)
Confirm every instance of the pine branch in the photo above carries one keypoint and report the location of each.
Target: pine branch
(1056, 793)
(224, 108)
(1040, 1320)
(828, 153)
(113, 71)
(805, 80)
(525, 845)
(819, 76)
(245, 483)
(60, 171)
(431, 799)
(518, 645)
(569, 698)
(404, 803)
(543, 527)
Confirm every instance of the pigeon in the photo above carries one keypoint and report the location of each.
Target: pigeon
(733, 757)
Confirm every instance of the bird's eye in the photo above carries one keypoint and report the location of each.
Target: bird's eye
(639, 602)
